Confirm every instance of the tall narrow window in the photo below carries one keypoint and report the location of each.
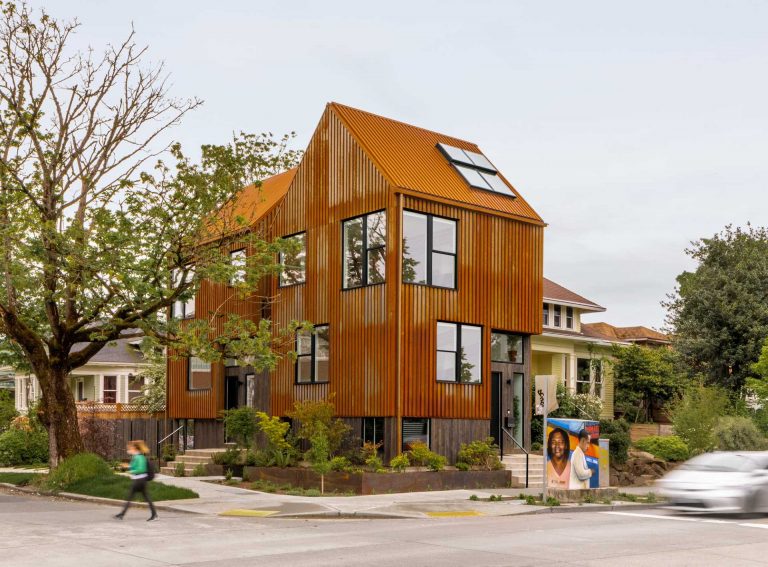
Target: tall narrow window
(237, 259)
(459, 353)
(135, 386)
(373, 431)
(312, 355)
(294, 261)
(557, 318)
(569, 317)
(429, 250)
(546, 314)
(199, 374)
(110, 390)
(183, 308)
(365, 250)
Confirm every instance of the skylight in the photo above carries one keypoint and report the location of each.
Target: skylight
(476, 170)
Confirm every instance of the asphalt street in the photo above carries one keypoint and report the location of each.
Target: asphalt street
(42, 531)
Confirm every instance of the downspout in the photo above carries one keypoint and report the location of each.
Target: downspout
(398, 344)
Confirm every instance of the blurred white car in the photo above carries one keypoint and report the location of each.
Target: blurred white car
(722, 482)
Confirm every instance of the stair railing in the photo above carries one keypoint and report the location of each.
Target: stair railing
(519, 446)
(171, 434)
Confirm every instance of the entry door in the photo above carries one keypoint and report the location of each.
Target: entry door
(232, 388)
(497, 414)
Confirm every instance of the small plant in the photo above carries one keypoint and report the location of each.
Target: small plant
(199, 470)
(530, 500)
(462, 466)
(651, 498)
(315, 415)
(536, 447)
(474, 497)
(77, 468)
(341, 464)
(495, 498)
(374, 463)
(589, 499)
(168, 452)
(607, 501)
(228, 475)
(179, 470)
(480, 454)
(628, 497)
(227, 458)
(551, 501)
(241, 425)
(400, 463)
(421, 456)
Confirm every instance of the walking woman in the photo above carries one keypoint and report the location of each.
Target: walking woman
(139, 470)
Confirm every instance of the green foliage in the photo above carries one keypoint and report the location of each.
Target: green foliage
(536, 446)
(482, 454)
(421, 456)
(719, 312)
(667, 447)
(228, 474)
(474, 497)
(82, 467)
(577, 406)
(116, 487)
(314, 416)
(617, 432)
(400, 462)
(19, 479)
(179, 470)
(168, 452)
(24, 446)
(7, 409)
(198, 470)
(374, 463)
(241, 425)
(280, 449)
(341, 464)
(228, 457)
(734, 433)
(153, 393)
(645, 378)
(551, 501)
(319, 454)
(695, 413)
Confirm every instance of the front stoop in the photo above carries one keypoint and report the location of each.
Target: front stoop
(191, 459)
(515, 463)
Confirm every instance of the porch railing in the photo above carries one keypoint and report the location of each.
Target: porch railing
(519, 446)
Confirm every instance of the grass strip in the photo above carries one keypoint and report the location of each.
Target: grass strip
(18, 479)
(116, 487)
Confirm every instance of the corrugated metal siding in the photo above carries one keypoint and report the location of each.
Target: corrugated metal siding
(499, 287)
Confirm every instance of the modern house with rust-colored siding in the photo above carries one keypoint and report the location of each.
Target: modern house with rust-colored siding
(420, 266)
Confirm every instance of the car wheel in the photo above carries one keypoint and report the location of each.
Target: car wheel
(748, 506)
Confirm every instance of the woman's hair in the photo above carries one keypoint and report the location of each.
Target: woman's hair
(551, 437)
(140, 446)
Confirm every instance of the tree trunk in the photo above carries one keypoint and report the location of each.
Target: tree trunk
(59, 415)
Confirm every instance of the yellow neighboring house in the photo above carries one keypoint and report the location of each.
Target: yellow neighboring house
(577, 352)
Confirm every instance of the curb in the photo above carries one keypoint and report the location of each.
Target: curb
(589, 508)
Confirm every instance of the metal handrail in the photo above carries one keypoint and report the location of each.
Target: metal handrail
(505, 430)
(171, 434)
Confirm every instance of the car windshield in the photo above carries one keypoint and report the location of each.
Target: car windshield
(724, 462)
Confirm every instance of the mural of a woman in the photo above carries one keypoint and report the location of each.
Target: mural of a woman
(558, 465)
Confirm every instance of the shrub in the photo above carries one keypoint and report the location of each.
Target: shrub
(462, 466)
(669, 448)
(168, 452)
(421, 456)
(400, 463)
(374, 463)
(77, 468)
(227, 458)
(737, 434)
(179, 470)
(482, 454)
(98, 434)
(535, 447)
(199, 470)
(241, 425)
(694, 415)
(316, 415)
(23, 446)
(280, 449)
(617, 432)
(340, 464)
(7, 409)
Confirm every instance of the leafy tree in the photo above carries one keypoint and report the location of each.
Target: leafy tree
(718, 313)
(7, 409)
(317, 418)
(153, 392)
(89, 239)
(645, 378)
(696, 412)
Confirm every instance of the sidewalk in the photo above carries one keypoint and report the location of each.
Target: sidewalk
(219, 499)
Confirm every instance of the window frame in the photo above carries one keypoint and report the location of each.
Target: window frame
(431, 250)
(138, 392)
(280, 260)
(457, 370)
(366, 250)
(568, 317)
(114, 390)
(379, 433)
(509, 334)
(546, 315)
(175, 273)
(312, 357)
(189, 375)
(239, 276)
(427, 420)
(557, 317)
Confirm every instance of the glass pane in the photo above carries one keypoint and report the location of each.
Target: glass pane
(135, 382)
(455, 154)
(110, 382)
(353, 253)
(304, 369)
(322, 354)
(446, 336)
(480, 160)
(377, 229)
(497, 184)
(294, 262)
(377, 265)
(415, 430)
(443, 270)
(446, 366)
(304, 342)
(200, 374)
(470, 355)
(444, 235)
(506, 348)
(237, 259)
(414, 248)
(473, 177)
(556, 321)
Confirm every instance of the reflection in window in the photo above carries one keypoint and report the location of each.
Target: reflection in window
(415, 430)
(312, 355)
(569, 317)
(199, 377)
(135, 386)
(110, 390)
(237, 259)
(546, 313)
(459, 353)
(429, 250)
(506, 348)
(558, 311)
(373, 431)
(183, 308)
(294, 261)
(365, 240)
(589, 376)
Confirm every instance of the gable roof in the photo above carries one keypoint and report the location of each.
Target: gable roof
(409, 158)
(637, 334)
(255, 201)
(559, 294)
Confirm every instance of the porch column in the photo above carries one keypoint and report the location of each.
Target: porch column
(99, 393)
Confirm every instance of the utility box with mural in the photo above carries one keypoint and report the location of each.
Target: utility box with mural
(573, 454)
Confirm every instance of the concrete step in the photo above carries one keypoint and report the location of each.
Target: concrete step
(203, 452)
(193, 460)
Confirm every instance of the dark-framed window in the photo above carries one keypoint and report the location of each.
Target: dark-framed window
(198, 374)
(183, 308)
(429, 250)
(294, 261)
(546, 313)
(237, 259)
(364, 250)
(459, 353)
(415, 430)
(373, 431)
(569, 317)
(558, 316)
(507, 347)
(589, 376)
(109, 392)
(312, 355)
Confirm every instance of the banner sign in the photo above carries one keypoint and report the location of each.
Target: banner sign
(548, 384)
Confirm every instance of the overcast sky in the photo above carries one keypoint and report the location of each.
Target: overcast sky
(631, 127)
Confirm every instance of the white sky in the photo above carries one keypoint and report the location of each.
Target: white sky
(631, 127)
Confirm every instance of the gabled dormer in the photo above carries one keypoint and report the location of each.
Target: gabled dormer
(563, 308)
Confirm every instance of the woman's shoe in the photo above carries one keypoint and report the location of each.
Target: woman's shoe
(152, 518)
(119, 516)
